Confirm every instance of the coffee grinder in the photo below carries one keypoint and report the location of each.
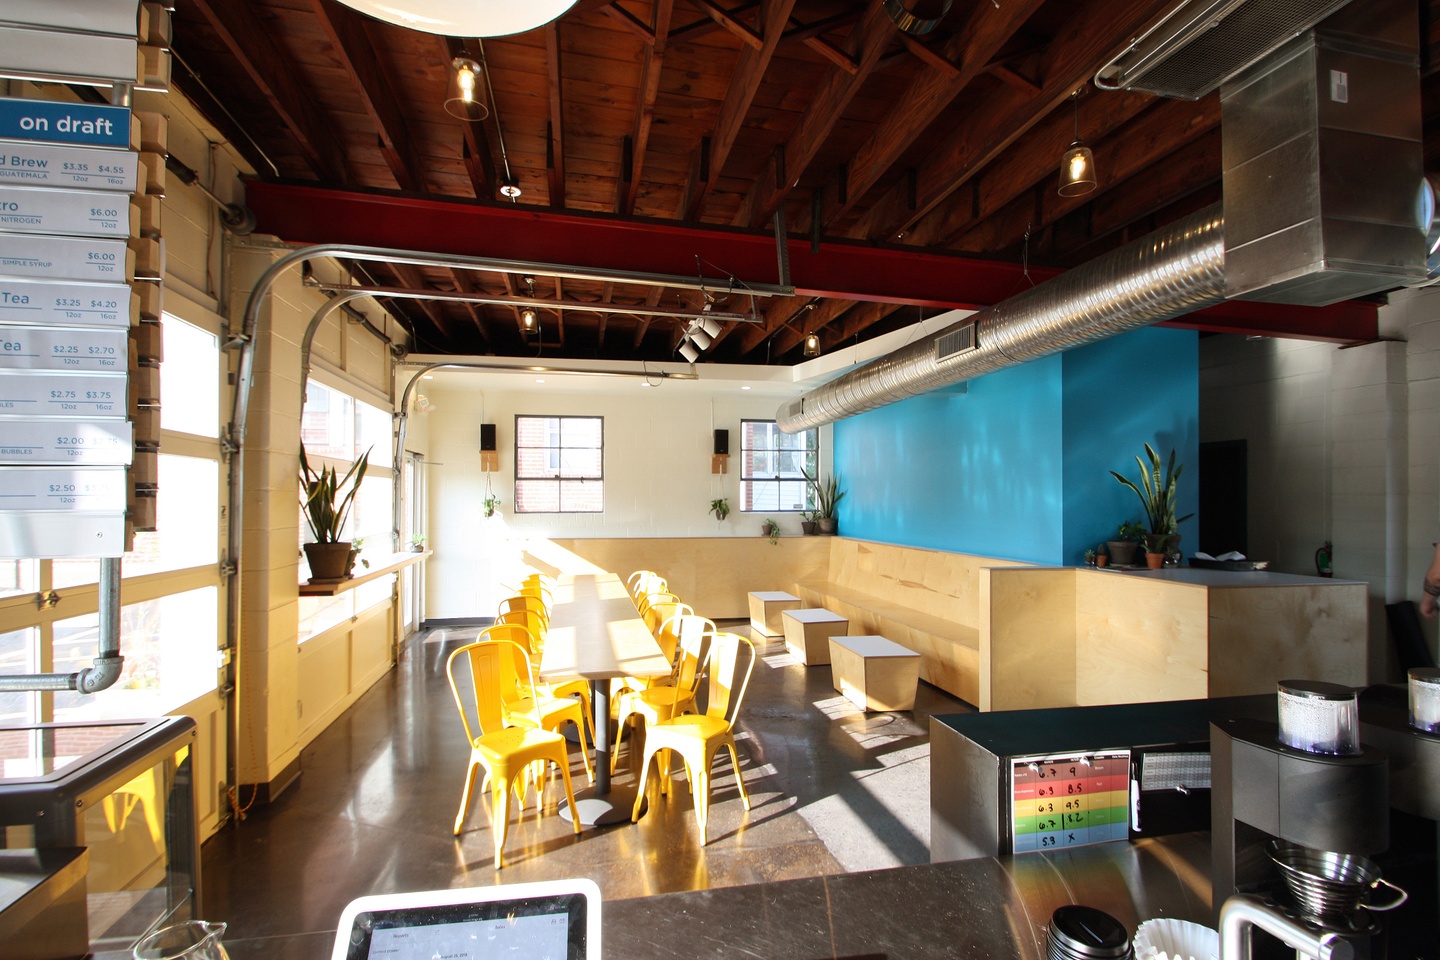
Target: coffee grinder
(1404, 722)
(1305, 782)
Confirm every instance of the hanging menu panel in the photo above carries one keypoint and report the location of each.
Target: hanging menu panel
(72, 213)
(88, 442)
(71, 489)
(91, 124)
(59, 348)
(81, 168)
(33, 302)
(31, 394)
(65, 258)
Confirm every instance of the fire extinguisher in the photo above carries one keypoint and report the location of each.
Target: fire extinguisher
(1322, 561)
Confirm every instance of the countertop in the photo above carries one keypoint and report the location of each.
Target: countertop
(1194, 576)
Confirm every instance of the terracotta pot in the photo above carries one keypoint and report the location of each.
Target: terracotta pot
(1102, 560)
(1154, 560)
(328, 561)
(828, 525)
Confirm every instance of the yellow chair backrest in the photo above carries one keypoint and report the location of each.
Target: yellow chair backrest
(522, 686)
(530, 620)
(684, 631)
(491, 673)
(653, 597)
(729, 678)
(690, 656)
(533, 604)
(656, 614)
(647, 581)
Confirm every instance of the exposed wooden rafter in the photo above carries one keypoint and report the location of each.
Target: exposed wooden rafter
(645, 105)
(555, 128)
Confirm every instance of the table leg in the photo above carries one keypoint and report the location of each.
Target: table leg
(601, 805)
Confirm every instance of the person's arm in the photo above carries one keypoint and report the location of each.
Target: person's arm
(1431, 586)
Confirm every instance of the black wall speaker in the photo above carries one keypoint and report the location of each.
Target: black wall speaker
(722, 442)
(487, 437)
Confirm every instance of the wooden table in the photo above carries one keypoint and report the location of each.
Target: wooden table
(596, 633)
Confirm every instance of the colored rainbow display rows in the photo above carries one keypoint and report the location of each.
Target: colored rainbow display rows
(1070, 801)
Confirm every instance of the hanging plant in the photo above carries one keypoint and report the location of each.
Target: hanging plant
(720, 508)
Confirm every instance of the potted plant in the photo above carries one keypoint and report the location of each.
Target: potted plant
(827, 496)
(1102, 555)
(1158, 495)
(720, 507)
(491, 503)
(808, 524)
(326, 499)
(1128, 537)
(1090, 558)
(771, 529)
(417, 543)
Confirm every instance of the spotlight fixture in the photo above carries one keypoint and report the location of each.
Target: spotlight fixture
(688, 351)
(1077, 167)
(510, 187)
(462, 103)
(812, 345)
(464, 18)
(711, 326)
(699, 336)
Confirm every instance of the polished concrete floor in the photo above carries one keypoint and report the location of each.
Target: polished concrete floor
(832, 790)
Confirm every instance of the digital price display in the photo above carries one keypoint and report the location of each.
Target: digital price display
(1069, 800)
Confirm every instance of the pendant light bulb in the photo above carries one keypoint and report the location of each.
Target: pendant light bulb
(462, 103)
(812, 345)
(1077, 167)
(528, 319)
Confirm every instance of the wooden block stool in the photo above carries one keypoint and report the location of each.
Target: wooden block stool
(808, 633)
(765, 609)
(874, 673)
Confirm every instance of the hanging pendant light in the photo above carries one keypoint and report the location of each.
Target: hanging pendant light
(462, 102)
(529, 319)
(812, 345)
(1077, 167)
(464, 18)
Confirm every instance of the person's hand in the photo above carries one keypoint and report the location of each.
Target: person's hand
(1428, 606)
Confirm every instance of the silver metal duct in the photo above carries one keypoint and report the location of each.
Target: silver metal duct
(1166, 274)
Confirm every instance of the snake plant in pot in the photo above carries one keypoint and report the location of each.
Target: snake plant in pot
(1158, 495)
(326, 497)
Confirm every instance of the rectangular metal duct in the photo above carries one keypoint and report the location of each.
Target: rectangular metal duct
(1201, 43)
(1323, 162)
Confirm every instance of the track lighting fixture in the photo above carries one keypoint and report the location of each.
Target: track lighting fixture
(689, 351)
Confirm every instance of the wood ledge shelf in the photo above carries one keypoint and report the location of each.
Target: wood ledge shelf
(390, 564)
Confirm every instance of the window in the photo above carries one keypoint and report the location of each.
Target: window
(559, 464)
(773, 467)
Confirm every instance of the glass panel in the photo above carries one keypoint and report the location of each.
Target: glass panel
(374, 434)
(582, 496)
(187, 532)
(370, 518)
(375, 592)
(19, 654)
(580, 432)
(19, 576)
(73, 573)
(773, 467)
(169, 648)
(328, 426)
(580, 463)
(318, 614)
(537, 496)
(191, 371)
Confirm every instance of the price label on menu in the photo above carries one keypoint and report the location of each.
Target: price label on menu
(59, 348)
(66, 304)
(62, 488)
(26, 394)
(73, 213)
(62, 258)
(1069, 800)
(41, 441)
(81, 168)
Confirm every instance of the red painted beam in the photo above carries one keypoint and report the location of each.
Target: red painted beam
(844, 270)
(300, 213)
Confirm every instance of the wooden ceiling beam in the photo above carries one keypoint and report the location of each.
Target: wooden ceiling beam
(275, 75)
(464, 283)
(1035, 158)
(630, 22)
(642, 325)
(355, 47)
(555, 129)
(654, 64)
(726, 19)
(408, 276)
(852, 318)
(607, 295)
(750, 68)
(869, 38)
(972, 46)
(475, 143)
(777, 314)
(928, 55)
(810, 31)
(1093, 32)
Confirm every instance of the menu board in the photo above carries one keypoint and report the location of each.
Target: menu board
(1069, 800)
(56, 441)
(61, 348)
(45, 394)
(65, 303)
(72, 213)
(63, 258)
(51, 165)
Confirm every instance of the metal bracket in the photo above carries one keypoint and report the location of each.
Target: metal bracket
(228, 568)
(47, 600)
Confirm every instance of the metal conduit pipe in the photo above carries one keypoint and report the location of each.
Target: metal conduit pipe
(1170, 272)
(107, 662)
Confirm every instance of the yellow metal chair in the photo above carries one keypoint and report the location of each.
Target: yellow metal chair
(532, 703)
(697, 737)
(670, 696)
(648, 600)
(521, 602)
(642, 582)
(534, 642)
(503, 752)
(657, 613)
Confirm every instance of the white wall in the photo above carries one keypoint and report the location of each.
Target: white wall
(657, 473)
(1343, 446)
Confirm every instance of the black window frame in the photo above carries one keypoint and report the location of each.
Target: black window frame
(559, 478)
(747, 479)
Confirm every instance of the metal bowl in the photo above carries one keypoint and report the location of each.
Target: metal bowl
(1330, 885)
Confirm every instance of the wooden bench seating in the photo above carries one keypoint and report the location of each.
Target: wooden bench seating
(926, 600)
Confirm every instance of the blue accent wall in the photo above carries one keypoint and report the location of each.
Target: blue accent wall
(1016, 464)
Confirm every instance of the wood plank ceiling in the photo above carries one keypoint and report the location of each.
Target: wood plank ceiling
(718, 112)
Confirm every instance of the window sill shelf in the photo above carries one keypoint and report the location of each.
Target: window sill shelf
(378, 568)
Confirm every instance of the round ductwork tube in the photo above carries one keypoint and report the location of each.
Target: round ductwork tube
(917, 17)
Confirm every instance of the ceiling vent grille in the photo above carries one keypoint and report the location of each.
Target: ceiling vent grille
(955, 342)
(1202, 43)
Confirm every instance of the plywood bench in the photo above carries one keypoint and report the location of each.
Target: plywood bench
(926, 600)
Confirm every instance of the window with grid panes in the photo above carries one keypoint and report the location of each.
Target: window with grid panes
(559, 464)
(773, 468)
